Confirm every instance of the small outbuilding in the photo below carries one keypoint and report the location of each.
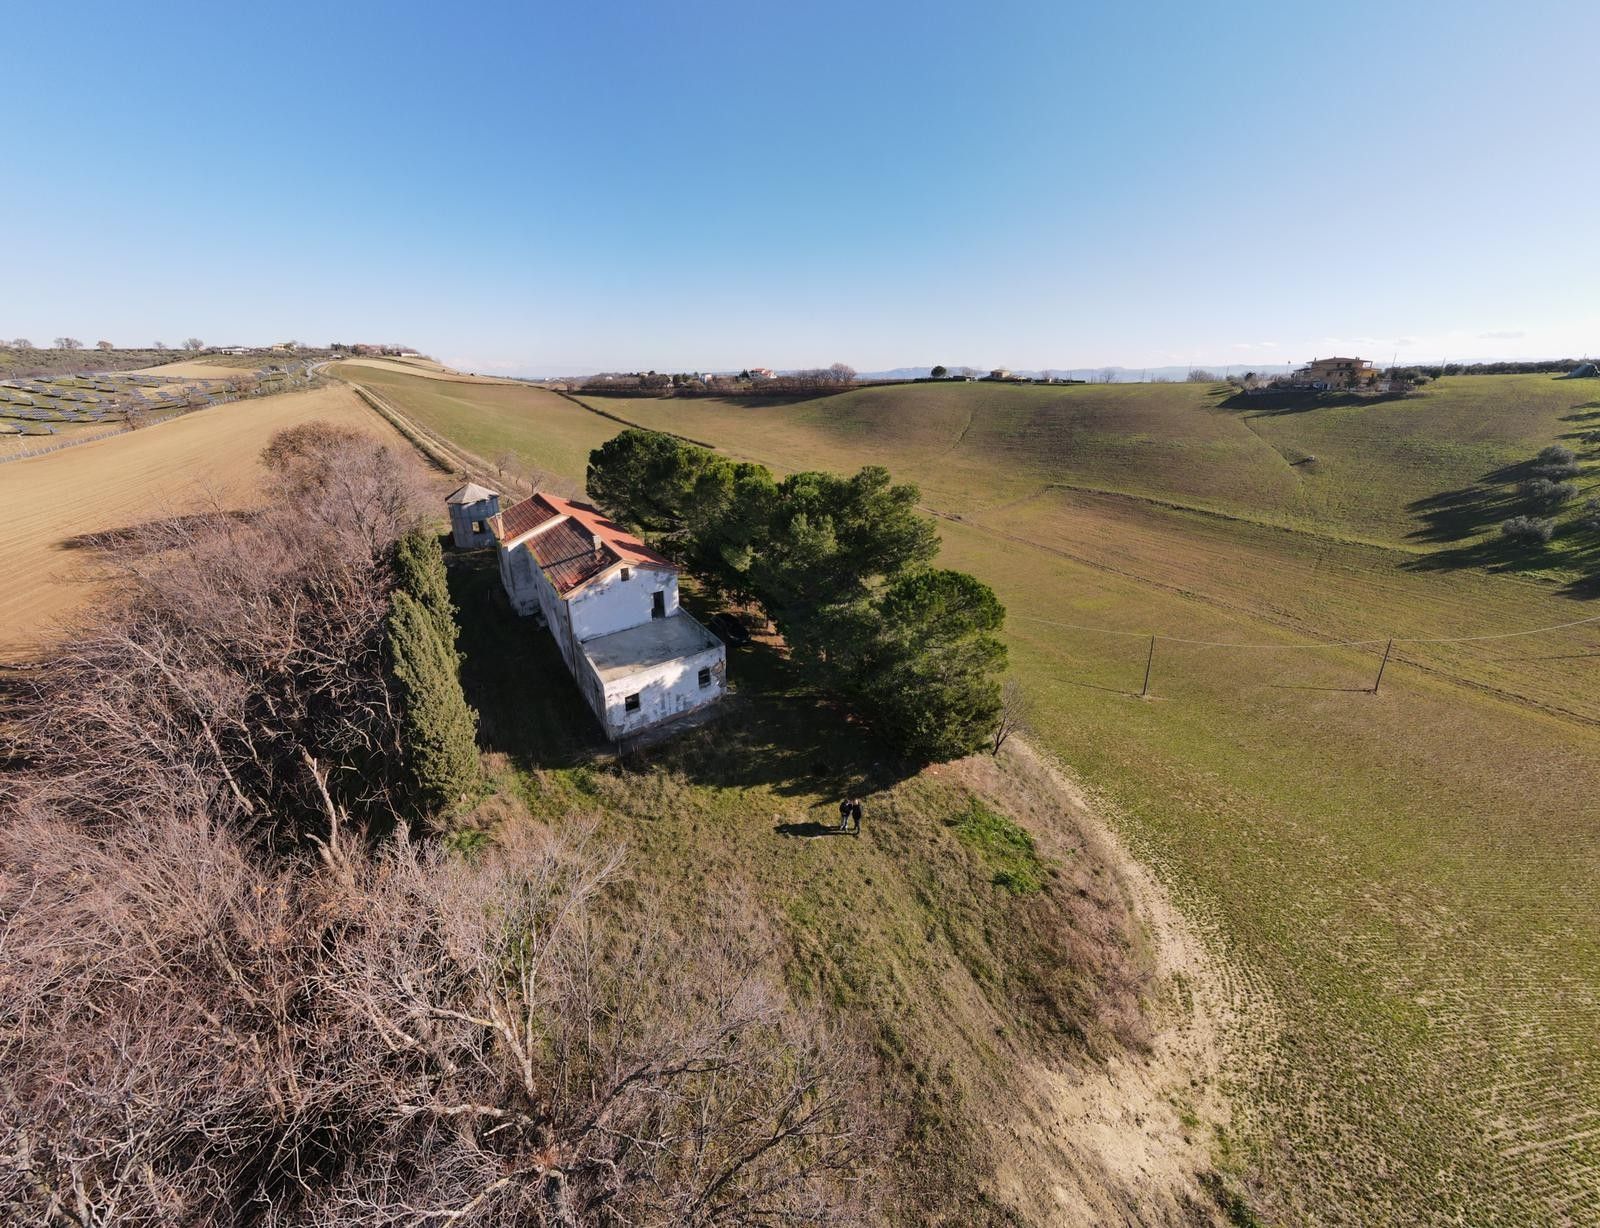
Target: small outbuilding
(471, 507)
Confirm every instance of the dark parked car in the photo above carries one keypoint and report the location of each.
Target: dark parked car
(729, 629)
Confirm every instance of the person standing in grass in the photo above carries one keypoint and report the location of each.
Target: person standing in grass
(855, 814)
(845, 805)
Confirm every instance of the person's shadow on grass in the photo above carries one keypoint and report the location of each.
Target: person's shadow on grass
(809, 830)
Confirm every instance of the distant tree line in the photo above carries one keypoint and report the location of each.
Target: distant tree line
(1435, 370)
(792, 383)
(841, 565)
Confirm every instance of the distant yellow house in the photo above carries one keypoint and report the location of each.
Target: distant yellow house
(1336, 373)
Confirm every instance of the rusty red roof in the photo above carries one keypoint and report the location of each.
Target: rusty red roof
(628, 547)
(521, 518)
(568, 555)
(572, 542)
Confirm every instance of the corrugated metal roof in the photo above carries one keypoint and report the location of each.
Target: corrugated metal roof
(572, 542)
(569, 555)
(522, 518)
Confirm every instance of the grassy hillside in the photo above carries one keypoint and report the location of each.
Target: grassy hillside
(1407, 878)
(549, 433)
(974, 940)
(1369, 470)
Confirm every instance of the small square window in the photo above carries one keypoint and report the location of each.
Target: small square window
(705, 677)
(627, 573)
(631, 704)
(477, 526)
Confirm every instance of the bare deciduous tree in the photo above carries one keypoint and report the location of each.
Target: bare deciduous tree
(68, 343)
(194, 343)
(247, 643)
(410, 1037)
(103, 345)
(1016, 714)
(22, 343)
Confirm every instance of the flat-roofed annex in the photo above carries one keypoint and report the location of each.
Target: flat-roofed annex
(653, 643)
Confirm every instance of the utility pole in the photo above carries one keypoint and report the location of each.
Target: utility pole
(1147, 661)
(1382, 665)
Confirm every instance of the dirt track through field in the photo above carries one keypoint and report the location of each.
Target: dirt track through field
(203, 459)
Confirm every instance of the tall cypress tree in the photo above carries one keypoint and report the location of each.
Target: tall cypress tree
(419, 570)
(437, 726)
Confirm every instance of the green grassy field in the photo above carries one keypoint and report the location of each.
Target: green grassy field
(1408, 880)
(1356, 469)
(550, 434)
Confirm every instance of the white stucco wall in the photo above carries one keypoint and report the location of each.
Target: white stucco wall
(522, 579)
(613, 604)
(603, 607)
(664, 691)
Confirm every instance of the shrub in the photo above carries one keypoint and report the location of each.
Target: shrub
(244, 672)
(1547, 495)
(197, 1036)
(1555, 463)
(1528, 530)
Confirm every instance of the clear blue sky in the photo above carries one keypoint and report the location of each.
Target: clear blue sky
(560, 188)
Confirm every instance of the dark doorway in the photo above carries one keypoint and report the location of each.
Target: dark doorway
(658, 605)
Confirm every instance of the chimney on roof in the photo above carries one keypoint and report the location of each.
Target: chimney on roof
(594, 540)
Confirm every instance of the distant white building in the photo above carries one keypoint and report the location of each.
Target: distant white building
(471, 507)
(611, 603)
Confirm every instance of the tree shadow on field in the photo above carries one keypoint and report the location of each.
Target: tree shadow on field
(1299, 401)
(529, 708)
(153, 536)
(779, 734)
(1470, 516)
(1586, 418)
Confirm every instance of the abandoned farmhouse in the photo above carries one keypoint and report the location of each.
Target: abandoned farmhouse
(609, 600)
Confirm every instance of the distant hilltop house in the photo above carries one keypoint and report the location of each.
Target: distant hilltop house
(1000, 373)
(1334, 373)
(762, 373)
(611, 603)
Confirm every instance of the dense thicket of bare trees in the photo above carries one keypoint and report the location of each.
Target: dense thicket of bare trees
(222, 1001)
(189, 1035)
(245, 663)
